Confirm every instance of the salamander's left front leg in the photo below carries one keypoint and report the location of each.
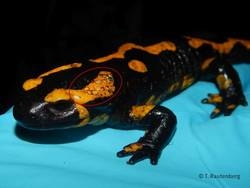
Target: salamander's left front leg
(230, 90)
(161, 124)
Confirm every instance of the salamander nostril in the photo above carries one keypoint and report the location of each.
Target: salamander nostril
(24, 111)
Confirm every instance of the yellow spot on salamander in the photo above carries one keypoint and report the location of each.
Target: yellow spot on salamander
(223, 82)
(153, 100)
(133, 147)
(223, 48)
(159, 47)
(205, 64)
(137, 66)
(182, 84)
(216, 111)
(174, 87)
(138, 112)
(215, 98)
(34, 82)
(231, 106)
(187, 81)
(119, 54)
(61, 68)
(81, 96)
(83, 115)
(152, 49)
(102, 86)
(100, 120)
(57, 95)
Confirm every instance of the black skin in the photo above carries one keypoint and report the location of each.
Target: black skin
(164, 70)
(161, 125)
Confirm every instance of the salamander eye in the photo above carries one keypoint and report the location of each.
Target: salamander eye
(60, 107)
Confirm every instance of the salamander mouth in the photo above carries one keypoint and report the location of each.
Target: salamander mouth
(46, 116)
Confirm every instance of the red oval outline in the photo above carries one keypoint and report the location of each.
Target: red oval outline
(93, 69)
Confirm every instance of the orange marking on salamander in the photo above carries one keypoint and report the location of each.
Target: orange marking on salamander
(34, 82)
(223, 48)
(102, 86)
(137, 66)
(152, 49)
(139, 112)
(205, 64)
(133, 147)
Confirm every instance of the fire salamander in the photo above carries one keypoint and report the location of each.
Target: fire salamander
(125, 89)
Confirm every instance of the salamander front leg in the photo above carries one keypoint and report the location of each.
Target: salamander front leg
(161, 123)
(230, 91)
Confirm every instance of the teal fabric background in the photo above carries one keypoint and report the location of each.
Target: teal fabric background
(78, 158)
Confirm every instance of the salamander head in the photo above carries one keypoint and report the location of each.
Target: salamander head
(40, 115)
(84, 101)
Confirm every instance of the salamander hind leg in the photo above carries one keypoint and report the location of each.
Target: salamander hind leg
(230, 94)
(161, 123)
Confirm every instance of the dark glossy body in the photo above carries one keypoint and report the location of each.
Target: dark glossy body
(134, 80)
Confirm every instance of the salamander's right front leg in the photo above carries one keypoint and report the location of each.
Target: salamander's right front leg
(161, 123)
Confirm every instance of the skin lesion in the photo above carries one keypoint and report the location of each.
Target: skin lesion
(102, 86)
(34, 82)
